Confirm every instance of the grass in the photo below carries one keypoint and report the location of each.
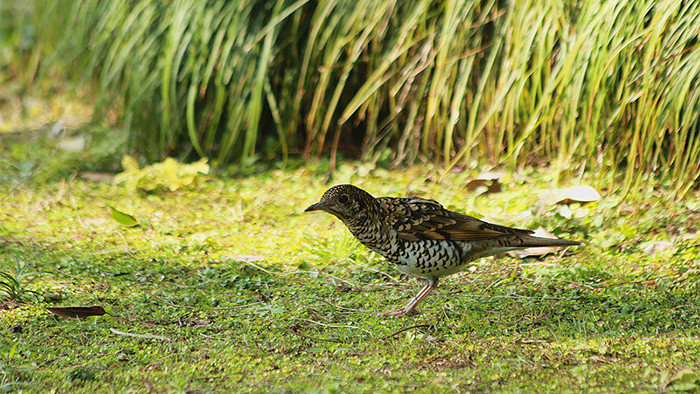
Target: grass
(608, 86)
(224, 285)
(229, 287)
(14, 285)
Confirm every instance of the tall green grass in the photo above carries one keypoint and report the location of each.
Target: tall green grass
(597, 85)
(16, 40)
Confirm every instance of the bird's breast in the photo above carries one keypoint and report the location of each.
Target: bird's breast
(422, 258)
(430, 258)
(374, 236)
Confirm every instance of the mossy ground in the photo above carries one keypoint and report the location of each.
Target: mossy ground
(241, 291)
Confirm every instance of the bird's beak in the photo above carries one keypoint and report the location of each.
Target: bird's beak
(316, 207)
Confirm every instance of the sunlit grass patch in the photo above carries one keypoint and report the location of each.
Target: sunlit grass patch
(229, 286)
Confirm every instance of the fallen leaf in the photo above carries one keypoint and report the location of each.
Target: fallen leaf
(576, 194)
(246, 258)
(565, 211)
(655, 246)
(491, 180)
(77, 311)
(97, 176)
(689, 236)
(123, 218)
(74, 144)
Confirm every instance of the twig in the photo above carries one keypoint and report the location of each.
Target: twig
(406, 329)
(299, 272)
(223, 308)
(516, 296)
(354, 310)
(144, 336)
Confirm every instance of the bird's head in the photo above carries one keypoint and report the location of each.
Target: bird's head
(347, 202)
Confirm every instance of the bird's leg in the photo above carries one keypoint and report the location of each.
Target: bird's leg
(411, 307)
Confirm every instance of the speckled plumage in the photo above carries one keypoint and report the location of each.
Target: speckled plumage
(420, 237)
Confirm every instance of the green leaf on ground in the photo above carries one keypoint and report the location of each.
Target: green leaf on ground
(123, 218)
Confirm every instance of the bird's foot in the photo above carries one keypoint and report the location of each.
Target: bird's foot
(401, 312)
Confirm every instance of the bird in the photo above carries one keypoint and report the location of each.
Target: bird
(420, 237)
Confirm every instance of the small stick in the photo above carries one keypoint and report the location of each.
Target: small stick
(406, 329)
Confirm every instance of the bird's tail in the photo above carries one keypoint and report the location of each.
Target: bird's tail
(530, 241)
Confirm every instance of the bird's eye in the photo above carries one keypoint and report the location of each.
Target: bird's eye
(343, 198)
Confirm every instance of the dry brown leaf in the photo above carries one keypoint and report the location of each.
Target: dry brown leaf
(77, 311)
(576, 194)
(491, 180)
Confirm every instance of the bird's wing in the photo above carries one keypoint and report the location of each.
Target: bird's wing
(416, 218)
